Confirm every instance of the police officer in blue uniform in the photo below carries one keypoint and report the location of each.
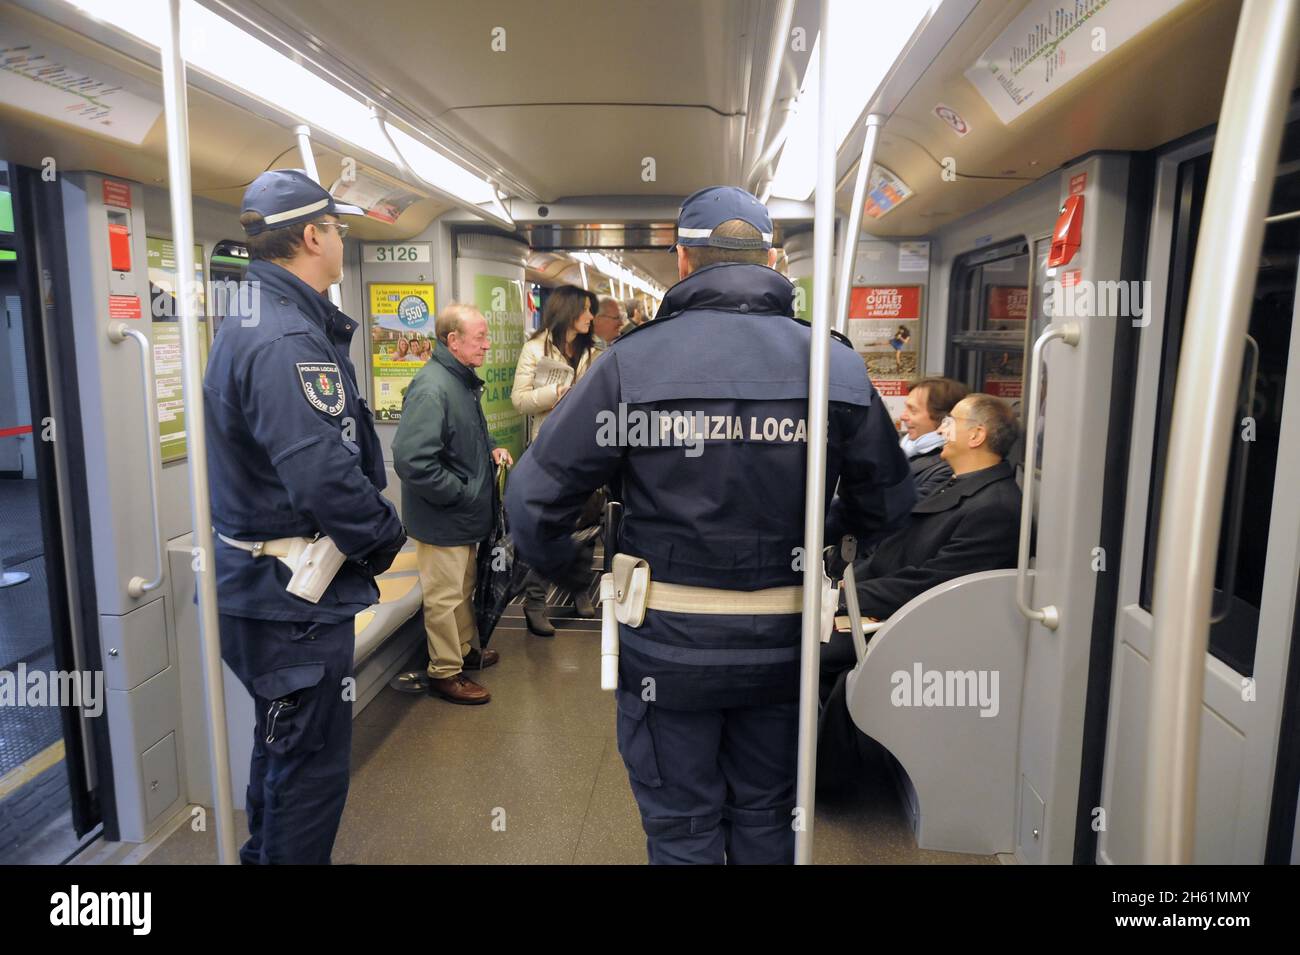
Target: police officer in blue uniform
(701, 417)
(293, 456)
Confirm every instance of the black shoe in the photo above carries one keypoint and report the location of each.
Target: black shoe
(538, 623)
(583, 605)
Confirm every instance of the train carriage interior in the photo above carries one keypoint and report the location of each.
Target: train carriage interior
(1043, 210)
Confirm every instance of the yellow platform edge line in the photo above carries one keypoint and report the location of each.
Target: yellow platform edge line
(21, 775)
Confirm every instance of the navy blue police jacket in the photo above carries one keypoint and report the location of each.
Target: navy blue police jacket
(699, 419)
(292, 451)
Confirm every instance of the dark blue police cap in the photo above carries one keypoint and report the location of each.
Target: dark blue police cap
(704, 211)
(284, 197)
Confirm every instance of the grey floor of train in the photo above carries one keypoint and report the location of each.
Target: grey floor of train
(532, 777)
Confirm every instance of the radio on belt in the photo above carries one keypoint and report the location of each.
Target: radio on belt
(1068, 234)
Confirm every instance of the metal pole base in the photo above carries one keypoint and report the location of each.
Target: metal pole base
(12, 578)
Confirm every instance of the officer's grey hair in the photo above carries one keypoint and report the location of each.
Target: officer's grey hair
(452, 319)
(608, 300)
(997, 419)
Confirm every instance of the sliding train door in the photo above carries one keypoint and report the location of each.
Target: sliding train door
(1254, 606)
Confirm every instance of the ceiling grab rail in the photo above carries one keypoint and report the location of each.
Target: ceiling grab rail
(874, 123)
(176, 110)
(1242, 171)
(303, 134)
(777, 45)
(1049, 616)
(819, 362)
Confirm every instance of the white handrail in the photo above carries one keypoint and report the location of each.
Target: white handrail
(1049, 616)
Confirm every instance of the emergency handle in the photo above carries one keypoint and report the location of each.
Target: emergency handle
(119, 332)
(1067, 332)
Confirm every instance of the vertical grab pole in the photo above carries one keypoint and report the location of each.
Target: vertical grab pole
(178, 170)
(1218, 312)
(850, 244)
(308, 158)
(819, 363)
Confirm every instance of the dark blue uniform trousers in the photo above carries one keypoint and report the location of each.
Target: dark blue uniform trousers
(713, 786)
(302, 738)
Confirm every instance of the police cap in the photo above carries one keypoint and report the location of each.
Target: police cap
(284, 197)
(704, 211)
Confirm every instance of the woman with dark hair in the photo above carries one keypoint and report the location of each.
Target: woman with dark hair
(550, 363)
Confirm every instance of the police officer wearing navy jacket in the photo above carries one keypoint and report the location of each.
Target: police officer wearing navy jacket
(293, 454)
(701, 418)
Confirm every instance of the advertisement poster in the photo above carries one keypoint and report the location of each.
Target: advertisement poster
(885, 328)
(401, 340)
(382, 200)
(884, 192)
(169, 391)
(501, 300)
(1008, 305)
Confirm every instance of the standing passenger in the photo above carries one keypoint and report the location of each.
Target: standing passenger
(443, 454)
(550, 363)
(609, 322)
(708, 693)
(292, 454)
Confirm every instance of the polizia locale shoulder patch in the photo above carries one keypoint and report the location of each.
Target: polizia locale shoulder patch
(322, 383)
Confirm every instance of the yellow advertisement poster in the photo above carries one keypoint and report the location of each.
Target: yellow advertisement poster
(401, 340)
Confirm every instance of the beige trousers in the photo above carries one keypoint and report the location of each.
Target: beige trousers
(447, 582)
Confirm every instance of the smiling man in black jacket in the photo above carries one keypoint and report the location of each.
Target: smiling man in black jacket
(969, 524)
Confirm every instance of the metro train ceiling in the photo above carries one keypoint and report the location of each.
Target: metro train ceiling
(565, 98)
(578, 137)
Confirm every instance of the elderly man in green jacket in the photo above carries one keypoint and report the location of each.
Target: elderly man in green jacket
(444, 456)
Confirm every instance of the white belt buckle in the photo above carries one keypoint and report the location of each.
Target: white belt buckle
(257, 548)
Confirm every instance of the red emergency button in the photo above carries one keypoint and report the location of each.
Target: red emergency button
(1068, 234)
(119, 247)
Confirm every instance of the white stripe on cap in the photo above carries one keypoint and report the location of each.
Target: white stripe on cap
(708, 233)
(295, 213)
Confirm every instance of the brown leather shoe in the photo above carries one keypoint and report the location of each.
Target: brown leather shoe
(481, 660)
(459, 689)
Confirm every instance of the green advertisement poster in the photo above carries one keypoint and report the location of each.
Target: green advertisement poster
(803, 293)
(168, 375)
(401, 340)
(502, 301)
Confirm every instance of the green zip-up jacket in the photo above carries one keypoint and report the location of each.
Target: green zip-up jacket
(443, 455)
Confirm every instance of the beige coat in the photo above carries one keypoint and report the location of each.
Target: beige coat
(537, 402)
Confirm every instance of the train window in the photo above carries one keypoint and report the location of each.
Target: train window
(1248, 496)
(229, 262)
(987, 324)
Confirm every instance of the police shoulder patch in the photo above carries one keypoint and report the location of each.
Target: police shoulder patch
(322, 383)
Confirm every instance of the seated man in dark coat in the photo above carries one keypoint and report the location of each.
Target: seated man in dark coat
(970, 524)
(929, 401)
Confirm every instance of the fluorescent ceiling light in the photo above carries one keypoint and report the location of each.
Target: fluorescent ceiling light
(865, 47)
(231, 55)
(439, 171)
(613, 270)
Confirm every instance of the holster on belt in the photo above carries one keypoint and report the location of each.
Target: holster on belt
(313, 562)
(631, 578)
